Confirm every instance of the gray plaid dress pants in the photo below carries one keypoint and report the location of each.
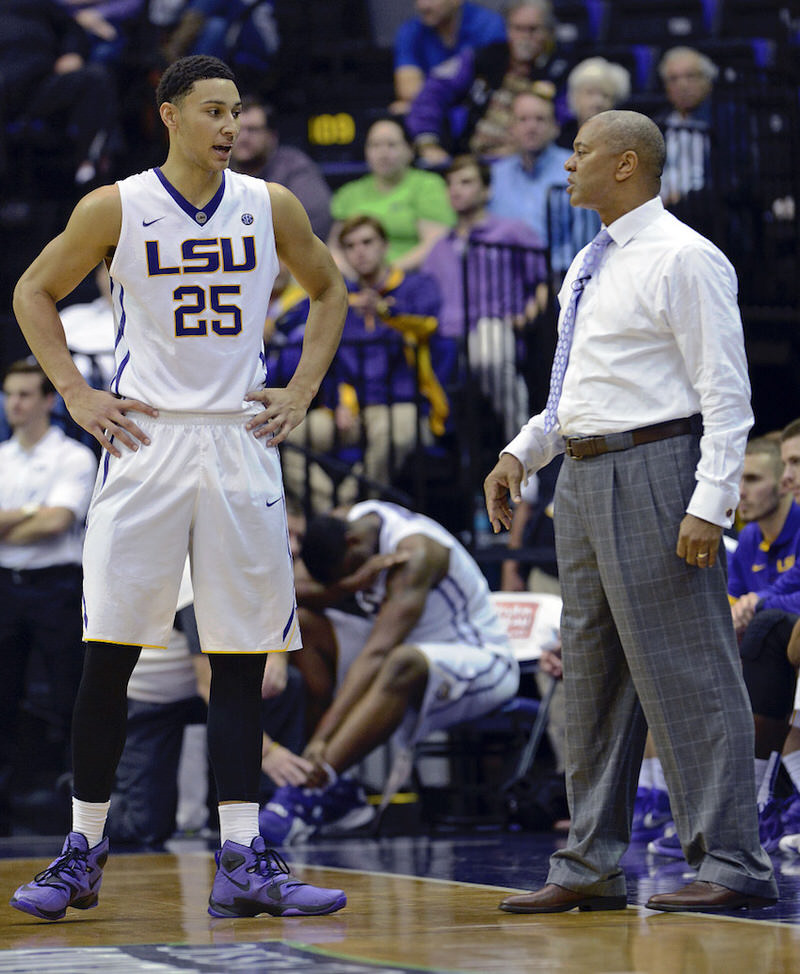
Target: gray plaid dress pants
(648, 641)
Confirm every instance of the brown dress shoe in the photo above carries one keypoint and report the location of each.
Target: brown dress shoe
(557, 899)
(703, 897)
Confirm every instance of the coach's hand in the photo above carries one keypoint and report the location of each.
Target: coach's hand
(283, 410)
(698, 541)
(104, 416)
(503, 482)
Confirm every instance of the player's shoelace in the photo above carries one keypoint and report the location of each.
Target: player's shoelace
(67, 863)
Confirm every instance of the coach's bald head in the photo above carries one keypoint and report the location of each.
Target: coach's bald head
(616, 164)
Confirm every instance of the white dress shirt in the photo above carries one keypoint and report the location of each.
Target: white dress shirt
(658, 336)
(56, 472)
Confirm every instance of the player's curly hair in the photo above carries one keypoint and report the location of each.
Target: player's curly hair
(177, 80)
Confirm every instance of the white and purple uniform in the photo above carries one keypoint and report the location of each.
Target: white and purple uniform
(190, 290)
(472, 668)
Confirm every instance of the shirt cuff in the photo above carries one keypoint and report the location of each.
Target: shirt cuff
(713, 504)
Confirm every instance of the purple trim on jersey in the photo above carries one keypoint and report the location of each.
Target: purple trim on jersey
(288, 625)
(106, 460)
(209, 209)
(122, 315)
(118, 374)
(85, 613)
(462, 625)
(262, 357)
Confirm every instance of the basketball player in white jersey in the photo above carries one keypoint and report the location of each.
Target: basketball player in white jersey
(192, 251)
(428, 653)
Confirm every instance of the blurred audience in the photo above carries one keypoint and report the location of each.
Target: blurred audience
(594, 85)
(411, 205)
(520, 182)
(499, 264)
(62, 108)
(371, 396)
(482, 84)
(258, 152)
(440, 30)
(46, 481)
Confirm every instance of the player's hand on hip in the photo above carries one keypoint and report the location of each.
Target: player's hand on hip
(698, 541)
(105, 417)
(502, 484)
(283, 410)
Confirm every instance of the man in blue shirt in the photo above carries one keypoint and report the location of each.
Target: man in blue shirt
(520, 182)
(441, 29)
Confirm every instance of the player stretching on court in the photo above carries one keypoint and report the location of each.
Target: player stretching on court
(192, 251)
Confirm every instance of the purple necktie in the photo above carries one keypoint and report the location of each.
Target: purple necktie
(590, 261)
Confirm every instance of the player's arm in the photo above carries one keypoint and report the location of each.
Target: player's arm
(310, 263)
(89, 237)
(407, 589)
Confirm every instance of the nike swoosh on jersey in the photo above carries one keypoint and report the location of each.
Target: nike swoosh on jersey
(272, 503)
(758, 568)
(147, 223)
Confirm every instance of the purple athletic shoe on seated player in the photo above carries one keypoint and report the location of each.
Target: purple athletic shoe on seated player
(73, 879)
(255, 879)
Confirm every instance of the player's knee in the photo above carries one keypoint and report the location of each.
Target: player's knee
(405, 671)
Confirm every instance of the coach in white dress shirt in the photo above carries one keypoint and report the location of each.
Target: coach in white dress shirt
(653, 416)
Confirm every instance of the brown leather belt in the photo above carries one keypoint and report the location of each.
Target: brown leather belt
(580, 447)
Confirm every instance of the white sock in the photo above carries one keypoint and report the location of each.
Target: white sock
(238, 822)
(89, 818)
(646, 773)
(659, 781)
(767, 787)
(761, 770)
(792, 764)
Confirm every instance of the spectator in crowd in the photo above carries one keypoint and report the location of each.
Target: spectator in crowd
(241, 32)
(440, 30)
(506, 286)
(427, 653)
(46, 481)
(384, 358)
(520, 182)
(483, 83)
(258, 152)
(411, 205)
(106, 22)
(640, 647)
(48, 89)
(593, 85)
(688, 77)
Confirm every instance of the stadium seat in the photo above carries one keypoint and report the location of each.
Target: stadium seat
(663, 22)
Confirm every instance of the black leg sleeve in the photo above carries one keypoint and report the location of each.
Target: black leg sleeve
(100, 718)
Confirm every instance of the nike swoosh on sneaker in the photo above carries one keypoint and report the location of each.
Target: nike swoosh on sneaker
(245, 886)
(147, 223)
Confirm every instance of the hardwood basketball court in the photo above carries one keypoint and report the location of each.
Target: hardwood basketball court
(413, 904)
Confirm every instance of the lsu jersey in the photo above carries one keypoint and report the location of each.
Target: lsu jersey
(190, 290)
(458, 608)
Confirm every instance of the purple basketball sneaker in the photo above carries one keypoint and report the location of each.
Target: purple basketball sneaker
(71, 880)
(255, 879)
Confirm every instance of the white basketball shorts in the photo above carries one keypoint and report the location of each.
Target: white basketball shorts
(464, 682)
(205, 485)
